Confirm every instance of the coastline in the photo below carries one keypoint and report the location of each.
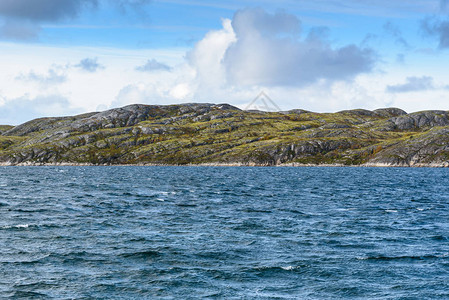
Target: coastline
(298, 165)
(141, 135)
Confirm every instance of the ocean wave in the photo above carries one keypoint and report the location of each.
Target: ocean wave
(31, 226)
(186, 205)
(19, 226)
(439, 238)
(251, 210)
(37, 210)
(34, 285)
(91, 244)
(71, 258)
(25, 262)
(267, 270)
(28, 295)
(404, 257)
(141, 255)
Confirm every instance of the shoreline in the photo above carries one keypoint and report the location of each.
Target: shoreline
(296, 165)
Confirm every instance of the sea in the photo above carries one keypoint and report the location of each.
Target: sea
(224, 233)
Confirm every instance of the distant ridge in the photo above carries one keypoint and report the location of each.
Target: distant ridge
(221, 134)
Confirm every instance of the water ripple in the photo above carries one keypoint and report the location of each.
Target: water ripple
(237, 233)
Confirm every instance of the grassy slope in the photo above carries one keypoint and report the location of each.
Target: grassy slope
(234, 136)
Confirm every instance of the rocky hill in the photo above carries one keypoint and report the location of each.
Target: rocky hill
(223, 134)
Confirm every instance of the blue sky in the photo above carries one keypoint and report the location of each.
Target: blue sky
(63, 57)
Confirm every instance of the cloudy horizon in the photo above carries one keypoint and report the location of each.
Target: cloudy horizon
(75, 56)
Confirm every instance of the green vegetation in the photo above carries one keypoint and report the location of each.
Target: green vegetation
(4, 128)
(222, 134)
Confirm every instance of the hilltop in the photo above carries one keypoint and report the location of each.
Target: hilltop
(223, 134)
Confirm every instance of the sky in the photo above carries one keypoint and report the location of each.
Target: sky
(66, 57)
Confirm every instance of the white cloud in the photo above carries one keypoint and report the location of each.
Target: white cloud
(159, 88)
(89, 65)
(53, 76)
(206, 58)
(153, 65)
(20, 110)
(180, 91)
(253, 52)
(82, 89)
(412, 84)
(269, 51)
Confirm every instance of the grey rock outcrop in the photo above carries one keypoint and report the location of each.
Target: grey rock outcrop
(359, 112)
(421, 120)
(133, 114)
(44, 124)
(390, 112)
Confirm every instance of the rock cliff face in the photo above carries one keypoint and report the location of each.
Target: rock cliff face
(223, 134)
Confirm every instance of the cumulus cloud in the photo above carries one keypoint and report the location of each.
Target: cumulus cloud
(20, 110)
(412, 84)
(53, 76)
(256, 21)
(141, 93)
(258, 48)
(208, 54)
(90, 65)
(252, 52)
(153, 65)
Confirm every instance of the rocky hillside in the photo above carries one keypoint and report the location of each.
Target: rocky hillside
(223, 134)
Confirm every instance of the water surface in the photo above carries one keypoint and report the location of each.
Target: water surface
(216, 232)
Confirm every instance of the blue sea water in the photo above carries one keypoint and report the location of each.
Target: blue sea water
(223, 232)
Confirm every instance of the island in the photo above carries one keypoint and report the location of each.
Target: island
(221, 134)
